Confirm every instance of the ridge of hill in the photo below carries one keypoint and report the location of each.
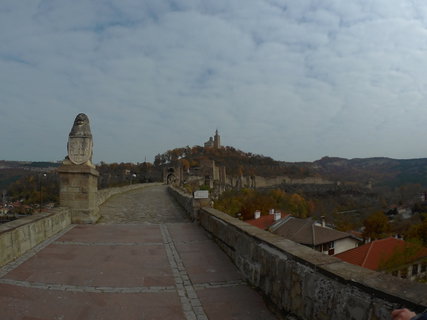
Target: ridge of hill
(377, 171)
(11, 171)
(237, 162)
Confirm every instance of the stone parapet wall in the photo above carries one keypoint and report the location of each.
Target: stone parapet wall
(186, 201)
(302, 283)
(19, 236)
(306, 284)
(105, 194)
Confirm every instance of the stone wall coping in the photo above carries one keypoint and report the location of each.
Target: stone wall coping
(15, 224)
(78, 169)
(385, 285)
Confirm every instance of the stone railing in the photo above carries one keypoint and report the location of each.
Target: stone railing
(187, 202)
(105, 194)
(305, 284)
(21, 235)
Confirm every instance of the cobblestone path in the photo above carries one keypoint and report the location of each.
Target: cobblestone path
(151, 205)
(145, 261)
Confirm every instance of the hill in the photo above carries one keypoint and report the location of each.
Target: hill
(12, 171)
(381, 172)
(378, 172)
(237, 162)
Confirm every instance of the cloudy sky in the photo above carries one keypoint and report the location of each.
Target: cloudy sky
(294, 80)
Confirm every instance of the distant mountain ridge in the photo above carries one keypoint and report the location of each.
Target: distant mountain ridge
(11, 171)
(379, 171)
(7, 164)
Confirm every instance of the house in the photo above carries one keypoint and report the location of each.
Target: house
(319, 237)
(266, 221)
(395, 256)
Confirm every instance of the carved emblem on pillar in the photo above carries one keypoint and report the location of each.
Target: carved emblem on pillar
(78, 177)
(80, 143)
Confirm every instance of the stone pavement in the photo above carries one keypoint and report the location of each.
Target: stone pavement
(144, 261)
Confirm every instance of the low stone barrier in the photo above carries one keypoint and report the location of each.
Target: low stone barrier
(302, 283)
(307, 284)
(21, 235)
(105, 194)
(188, 203)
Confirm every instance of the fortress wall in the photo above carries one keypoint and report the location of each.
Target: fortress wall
(303, 283)
(262, 182)
(21, 235)
(105, 194)
(265, 182)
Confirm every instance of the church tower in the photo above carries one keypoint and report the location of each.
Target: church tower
(217, 140)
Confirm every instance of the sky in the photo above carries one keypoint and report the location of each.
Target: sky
(293, 80)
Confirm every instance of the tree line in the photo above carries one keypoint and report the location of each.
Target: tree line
(246, 201)
(29, 188)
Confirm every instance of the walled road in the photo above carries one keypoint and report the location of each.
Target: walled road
(150, 205)
(145, 261)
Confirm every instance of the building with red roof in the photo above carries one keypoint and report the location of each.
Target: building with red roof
(402, 259)
(266, 221)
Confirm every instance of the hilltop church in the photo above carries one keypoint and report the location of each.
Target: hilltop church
(214, 142)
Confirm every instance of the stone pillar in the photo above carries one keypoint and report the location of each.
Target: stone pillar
(78, 191)
(77, 176)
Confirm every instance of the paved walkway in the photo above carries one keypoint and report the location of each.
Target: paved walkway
(144, 261)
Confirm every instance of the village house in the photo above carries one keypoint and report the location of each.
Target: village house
(401, 259)
(266, 221)
(318, 237)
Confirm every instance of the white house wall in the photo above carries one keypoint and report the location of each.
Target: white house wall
(344, 245)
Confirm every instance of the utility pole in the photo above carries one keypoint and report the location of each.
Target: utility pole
(4, 201)
(41, 198)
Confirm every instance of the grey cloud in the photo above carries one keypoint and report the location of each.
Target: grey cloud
(295, 80)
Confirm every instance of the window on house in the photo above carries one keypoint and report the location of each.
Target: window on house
(331, 248)
(326, 247)
(424, 267)
(414, 269)
(404, 273)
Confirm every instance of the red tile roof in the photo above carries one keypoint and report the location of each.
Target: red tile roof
(372, 254)
(264, 222)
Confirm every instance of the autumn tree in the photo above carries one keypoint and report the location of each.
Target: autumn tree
(418, 232)
(185, 164)
(247, 201)
(376, 226)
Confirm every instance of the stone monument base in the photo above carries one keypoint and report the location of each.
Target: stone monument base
(78, 191)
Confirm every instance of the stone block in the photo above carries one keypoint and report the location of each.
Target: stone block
(21, 235)
(79, 192)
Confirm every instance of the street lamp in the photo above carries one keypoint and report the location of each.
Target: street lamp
(133, 175)
(41, 198)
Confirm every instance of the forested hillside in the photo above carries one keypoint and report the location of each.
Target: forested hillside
(237, 162)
